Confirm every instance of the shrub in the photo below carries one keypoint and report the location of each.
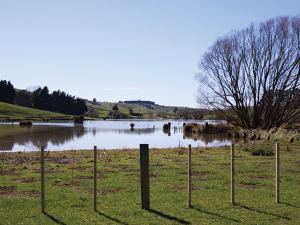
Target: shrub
(78, 119)
(132, 125)
(25, 123)
(166, 126)
(22, 123)
(188, 127)
(262, 152)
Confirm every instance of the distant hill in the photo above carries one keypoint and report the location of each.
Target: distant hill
(14, 112)
(147, 110)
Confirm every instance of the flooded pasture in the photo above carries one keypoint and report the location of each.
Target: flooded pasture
(109, 134)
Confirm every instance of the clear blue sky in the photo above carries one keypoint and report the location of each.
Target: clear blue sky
(120, 49)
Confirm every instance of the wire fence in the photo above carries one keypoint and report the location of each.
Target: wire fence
(176, 178)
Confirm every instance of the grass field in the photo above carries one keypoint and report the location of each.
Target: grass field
(69, 185)
(14, 112)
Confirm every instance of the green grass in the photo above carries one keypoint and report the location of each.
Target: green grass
(14, 112)
(69, 198)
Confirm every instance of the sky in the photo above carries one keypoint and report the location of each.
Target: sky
(117, 50)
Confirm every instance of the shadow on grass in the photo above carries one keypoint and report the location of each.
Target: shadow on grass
(214, 214)
(167, 216)
(108, 217)
(53, 218)
(289, 204)
(271, 214)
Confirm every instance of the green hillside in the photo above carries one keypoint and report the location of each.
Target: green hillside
(104, 107)
(14, 112)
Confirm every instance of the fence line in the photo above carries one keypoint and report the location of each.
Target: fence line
(277, 173)
(42, 180)
(95, 178)
(189, 177)
(144, 175)
(232, 174)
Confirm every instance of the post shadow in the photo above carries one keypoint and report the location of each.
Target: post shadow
(289, 204)
(213, 214)
(108, 217)
(271, 214)
(175, 219)
(53, 219)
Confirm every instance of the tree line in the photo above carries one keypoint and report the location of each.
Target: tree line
(57, 101)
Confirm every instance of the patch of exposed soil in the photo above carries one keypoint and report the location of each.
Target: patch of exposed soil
(223, 164)
(89, 177)
(8, 173)
(155, 175)
(21, 160)
(62, 159)
(69, 184)
(262, 177)
(29, 180)
(271, 158)
(80, 168)
(132, 170)
(10, 192)
(157, 164)
(292, 171)
(106, 191)
(119, 166)
(52, 170)
(176, 160)
(198, 174)
(7, 189)
(201, 179)
(242, 172)
(194, 164)
(248, 186)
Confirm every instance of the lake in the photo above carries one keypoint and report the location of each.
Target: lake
(108, 134)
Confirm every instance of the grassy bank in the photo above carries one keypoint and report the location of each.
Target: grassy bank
(69, 185)
(13, 112)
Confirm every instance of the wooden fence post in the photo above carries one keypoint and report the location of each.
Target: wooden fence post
(42, 180)
(189, 178)
(144, 165)
(277, 173)
(232, 174)
(95, 178)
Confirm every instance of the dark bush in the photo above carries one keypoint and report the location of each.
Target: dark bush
(166, 126)
(262, 152)
(188, 127)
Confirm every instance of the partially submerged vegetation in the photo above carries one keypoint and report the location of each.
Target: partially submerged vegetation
(275, 134)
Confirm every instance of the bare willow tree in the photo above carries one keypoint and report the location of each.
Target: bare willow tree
(252, 76)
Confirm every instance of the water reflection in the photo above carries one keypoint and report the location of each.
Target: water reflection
(35, 136)
(105, 135)
(208, 138)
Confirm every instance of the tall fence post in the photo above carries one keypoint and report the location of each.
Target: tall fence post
(189, 178)
(144, 165)
(95, 178)
(277, 173)
(42, 180)
(232, 174)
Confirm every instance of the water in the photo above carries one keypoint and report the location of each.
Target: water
(109, 134)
